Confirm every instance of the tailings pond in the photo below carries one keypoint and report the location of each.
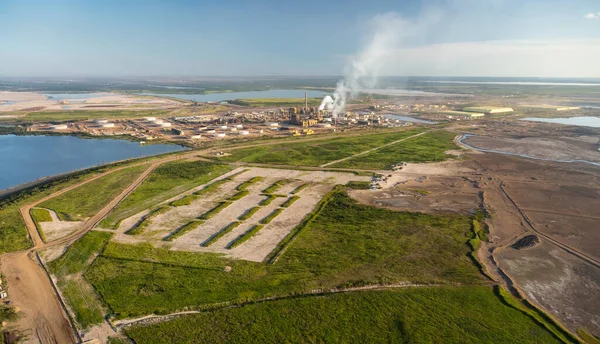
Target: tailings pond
(583, 121)
(219, 97)
(25, 159)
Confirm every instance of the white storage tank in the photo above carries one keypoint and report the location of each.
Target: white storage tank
(165, 125)
(108, 125)
(195, 137)
(59, 127)
(239, 126)
(212, 131)
(233, 129)
(324, 125)
(223, 127)
(219, 135)
(150, 119)
(273, 124)
(158, 121)
(101, 121)
(244, 132)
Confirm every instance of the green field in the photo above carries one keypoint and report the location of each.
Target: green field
(69, 269)
(87, 200)
(317, 152)
(40, 215)
(283, 102)
(429, 147)
(413, 315)
(80, 115)
(167, 181)
(346, 245)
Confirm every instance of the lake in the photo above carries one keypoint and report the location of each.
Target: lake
(27, 158)
(584, 121)
(219, 97)
(80, 96)
(407, 119)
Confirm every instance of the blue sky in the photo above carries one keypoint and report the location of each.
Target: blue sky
(150, 37)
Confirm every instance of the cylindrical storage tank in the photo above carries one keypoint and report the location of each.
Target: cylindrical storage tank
(158, 121)
(327, 119)
(59, 127)
(273, 124)
(243, 132)
(165, 125)
(324, 125)
(239, 126)
(150, 119)
(108, 125)
(219, 135)
(233, 129)
(211, 131)
(101, 121)
(223, 127)
(195, 137)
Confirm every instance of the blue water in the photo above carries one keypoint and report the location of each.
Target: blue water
(82, 96)
(582, 121)
(219, 97)
(8, 102)
(27, 158)
(407, 119)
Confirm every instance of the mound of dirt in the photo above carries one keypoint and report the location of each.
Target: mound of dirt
(527, 241)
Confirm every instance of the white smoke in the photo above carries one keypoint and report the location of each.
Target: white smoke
(387, 33)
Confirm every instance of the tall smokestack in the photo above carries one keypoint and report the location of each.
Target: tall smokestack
(305, 102)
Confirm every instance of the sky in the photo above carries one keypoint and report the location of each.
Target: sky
(506, 38)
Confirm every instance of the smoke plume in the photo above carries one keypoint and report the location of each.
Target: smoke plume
(387, 33)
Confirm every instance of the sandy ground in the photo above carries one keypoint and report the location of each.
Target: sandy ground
(58, 229)
(36, 297)
(257, 248)
(113, 101)
(558, 281)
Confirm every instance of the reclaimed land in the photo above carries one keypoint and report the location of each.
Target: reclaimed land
(168, 180)
(317, 152)
(412, 315)
(430, 147)
(87, 200)
(347, 245)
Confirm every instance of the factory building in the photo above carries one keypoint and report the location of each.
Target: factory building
(177, 132)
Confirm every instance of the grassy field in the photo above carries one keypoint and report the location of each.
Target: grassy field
(40, 215)
(413, 315)
(87, 200)
(318, 152)
(426, 148)
(69, 269)
(347, 244)
(168, 180)
(283, 102)
(89, 114)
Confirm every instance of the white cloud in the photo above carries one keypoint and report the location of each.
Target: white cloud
(592, 16)
(556, 58)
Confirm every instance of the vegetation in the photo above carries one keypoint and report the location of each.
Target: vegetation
(77, 257)
(7, 313)
(247, 183)
(275, 186)
(167, 181)
(214, 211)
(271, 216)
(299, 188)
(267, 201)
(249, 213)
(245, 236)
(185, 200)
(316, 152)
(83, 301)
(415, 315)
(213, 239)
(212, 186)
(359, 185)
(587, 338)
(425, 148)
(40, 215)
(81, 115)
(190, 226)
(139, 227)
(239, 195)
(87, 200)
(290, 201)
(343, 244)
(282, 102)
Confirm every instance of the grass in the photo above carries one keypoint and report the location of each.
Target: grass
(299, 188)
(77, 257)
(429, 147)
(214, 211)
(167, 181)
(239, 195)
(587, 338)
(40, 215)
(344, 244)
(290, 201)
(359, 185)
(248, 214)
(425, 315)
(227, 229)
(245, 236)
(275, 186)
(283, 102)
(271, 216)
(87, 200)
(190, 226)
(316, 152)
(90, 114)
(212, 187)
(139, 227)
(83, 301)
(268, 200)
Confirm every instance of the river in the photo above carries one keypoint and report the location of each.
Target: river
(25, 159)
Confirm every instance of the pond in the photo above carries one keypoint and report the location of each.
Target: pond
(27, 158)
(219, 97)
(583, 121)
